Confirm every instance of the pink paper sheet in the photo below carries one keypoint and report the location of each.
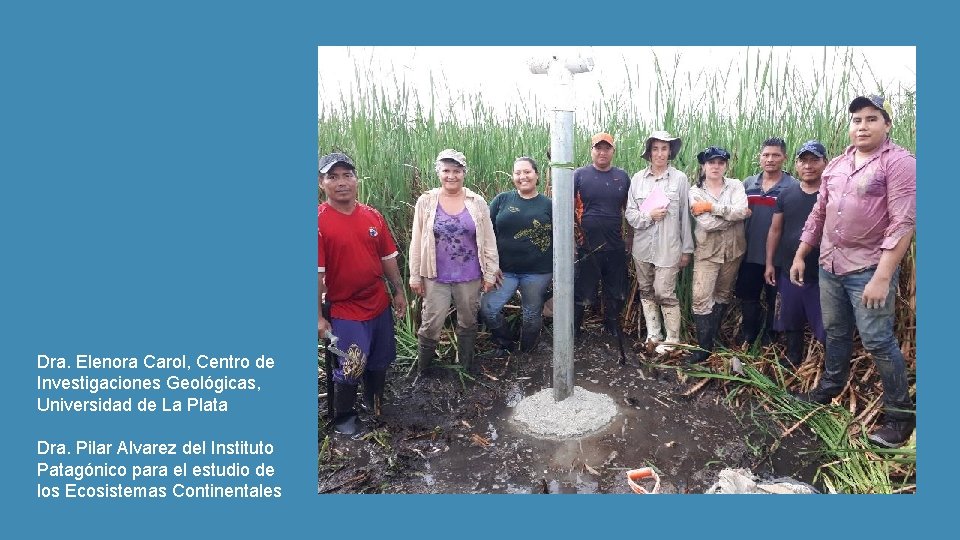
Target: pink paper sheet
(656, 199)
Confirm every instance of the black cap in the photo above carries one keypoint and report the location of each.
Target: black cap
(712, 152)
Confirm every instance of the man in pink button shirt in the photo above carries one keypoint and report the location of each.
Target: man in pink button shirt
(864, 221)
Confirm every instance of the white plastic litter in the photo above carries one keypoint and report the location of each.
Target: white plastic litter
(744, 481)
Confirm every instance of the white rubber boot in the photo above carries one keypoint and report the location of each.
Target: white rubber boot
(671, 319)
(651, 315)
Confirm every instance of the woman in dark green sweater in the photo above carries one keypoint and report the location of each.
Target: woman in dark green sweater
(523, 223)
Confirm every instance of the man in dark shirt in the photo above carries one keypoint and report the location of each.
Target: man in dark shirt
(799, 304)
(762, 192)
(600, 196)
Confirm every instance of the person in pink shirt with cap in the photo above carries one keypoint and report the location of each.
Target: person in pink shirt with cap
(864, 221)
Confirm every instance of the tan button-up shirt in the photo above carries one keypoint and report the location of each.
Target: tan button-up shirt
(423, 246)
(660, 243)
(719, 232)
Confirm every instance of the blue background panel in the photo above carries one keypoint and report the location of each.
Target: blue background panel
(159, 191)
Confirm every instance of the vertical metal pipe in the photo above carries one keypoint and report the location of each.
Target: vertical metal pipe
(561, 152)
(561, 156)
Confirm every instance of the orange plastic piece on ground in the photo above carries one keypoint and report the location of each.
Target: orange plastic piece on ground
(636, 475)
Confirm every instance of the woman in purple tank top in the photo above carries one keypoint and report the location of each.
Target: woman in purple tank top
(453, 257)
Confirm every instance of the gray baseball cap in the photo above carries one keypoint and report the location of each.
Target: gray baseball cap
(813, 146)
(453, 155)
(871, 100)
(328, 161)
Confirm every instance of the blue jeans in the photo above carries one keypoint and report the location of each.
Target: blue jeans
(842, 314)
(533, 289)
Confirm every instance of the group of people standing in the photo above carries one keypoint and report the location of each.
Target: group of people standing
(828, 244)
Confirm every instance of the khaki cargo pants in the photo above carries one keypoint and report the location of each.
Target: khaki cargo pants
(713, 283)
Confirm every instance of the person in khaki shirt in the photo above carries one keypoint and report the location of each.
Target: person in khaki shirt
(657, 209)
(719, 206)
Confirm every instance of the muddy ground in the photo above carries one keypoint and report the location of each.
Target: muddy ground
(451, 433)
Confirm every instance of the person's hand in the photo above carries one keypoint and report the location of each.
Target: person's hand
(769, 275)
(700, 207)
(489, 286)
(498, 279)
(400, 304)
(658, 214)
(684, 260)
(796, 271)
(875, 293)
(749, 212)
(417, 289)
(323, 326)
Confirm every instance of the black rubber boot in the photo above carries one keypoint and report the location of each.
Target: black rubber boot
(611, 317)
(578, 311)
(752, 317)
(769, 336)
(719, 311)
(466, 347)
(794, 339)
(818, 395)
(373, 384)
(425, 354)
(345, 417)
(528, 338)
(502, 341)
(706, 330)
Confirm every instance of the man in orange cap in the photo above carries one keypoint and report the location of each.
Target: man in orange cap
(600, 196)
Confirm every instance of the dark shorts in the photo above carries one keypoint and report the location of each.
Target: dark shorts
(370, 345)
(799, 305)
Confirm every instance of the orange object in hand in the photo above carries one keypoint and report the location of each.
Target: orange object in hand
(700, 207)
(643, 473)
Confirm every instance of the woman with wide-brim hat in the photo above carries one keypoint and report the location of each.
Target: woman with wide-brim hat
(657, 209)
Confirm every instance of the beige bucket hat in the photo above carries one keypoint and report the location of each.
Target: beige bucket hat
(675, 143)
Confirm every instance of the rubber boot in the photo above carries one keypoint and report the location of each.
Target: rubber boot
(466, 345)
(373, 384)
(528, 338)
(578, 311)
(611, 322)
(502, 341)
(706, 330)
(426, 353)
(720, 312)
(651, 316)
(345, 417)
(794, 339)
(769, 336)
(671, 319)
(752, 317)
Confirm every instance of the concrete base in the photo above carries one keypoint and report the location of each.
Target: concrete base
(581, 414)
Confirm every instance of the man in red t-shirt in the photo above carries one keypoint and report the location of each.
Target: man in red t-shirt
(355, 251)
